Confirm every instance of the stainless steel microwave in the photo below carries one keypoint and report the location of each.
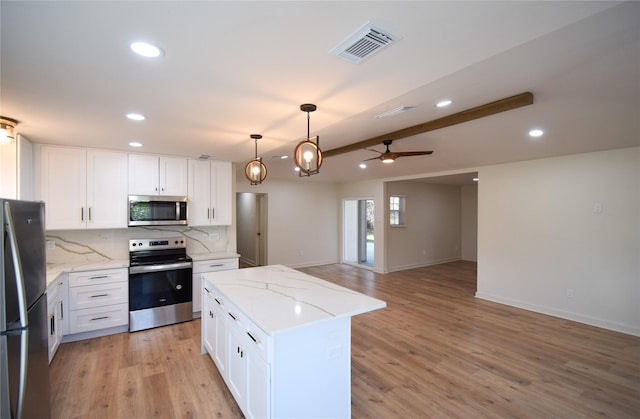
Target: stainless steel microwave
(157, 210)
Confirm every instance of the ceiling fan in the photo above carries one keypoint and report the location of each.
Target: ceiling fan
(389, 156)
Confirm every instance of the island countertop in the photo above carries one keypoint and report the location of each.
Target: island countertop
(278, 298)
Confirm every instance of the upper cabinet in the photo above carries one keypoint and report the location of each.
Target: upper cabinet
(153, 175)
(83, 188)
(210, 192)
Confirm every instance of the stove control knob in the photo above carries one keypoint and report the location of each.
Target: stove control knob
(134, 245)
(139, 244)
(178, 287)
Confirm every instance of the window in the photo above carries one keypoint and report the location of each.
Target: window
(396, 210)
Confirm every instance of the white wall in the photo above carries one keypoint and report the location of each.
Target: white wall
(8, 171)
(540, 234)
(302, 221)
(469, 196)
(432, 233)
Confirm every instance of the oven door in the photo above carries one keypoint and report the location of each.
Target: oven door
(160, 285)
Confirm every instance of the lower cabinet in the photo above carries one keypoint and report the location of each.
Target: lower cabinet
(56, 301)
(204, 266)
(98, 300)
(234, 344)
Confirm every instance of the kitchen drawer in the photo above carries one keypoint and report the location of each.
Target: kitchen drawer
(248, 331)
(213, 265)
(98, 318)
(91, 296)
(105, 276)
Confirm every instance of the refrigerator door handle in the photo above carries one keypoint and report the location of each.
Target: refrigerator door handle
(22, 299)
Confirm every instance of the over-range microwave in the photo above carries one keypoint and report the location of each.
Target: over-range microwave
(157, 210)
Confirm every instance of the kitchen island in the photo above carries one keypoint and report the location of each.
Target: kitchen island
(281, 339)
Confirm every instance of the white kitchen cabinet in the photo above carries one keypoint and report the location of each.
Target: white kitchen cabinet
(210, 192)
(98, 300)
(204, 266)
(56, 302)
(157, 175)
(83, 188)
(214, 328)
(237, 347)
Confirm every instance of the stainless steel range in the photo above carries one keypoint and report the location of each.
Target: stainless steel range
(160, 283)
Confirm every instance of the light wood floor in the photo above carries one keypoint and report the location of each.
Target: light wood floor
(434, 352)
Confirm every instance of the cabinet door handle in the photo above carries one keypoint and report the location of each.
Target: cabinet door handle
(213, 213)
(89, 209)
(208, 211)
(217, 301)
(232, 316)
(61, 310)
(207, 290)
(253, 338)
(52, 325)
(81, 213)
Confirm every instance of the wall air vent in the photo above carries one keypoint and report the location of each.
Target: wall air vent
(364, 42)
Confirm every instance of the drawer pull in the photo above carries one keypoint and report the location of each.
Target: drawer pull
(99, 295)
(233, 317)
(217, 265)
(253, 338)
(217, 301)
(99, 277)
(207, 290)
(100, 318)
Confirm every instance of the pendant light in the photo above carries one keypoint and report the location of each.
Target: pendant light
(7, 130)
(255, 170)
(307, 155)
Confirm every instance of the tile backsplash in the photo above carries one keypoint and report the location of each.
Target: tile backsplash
(73, 246)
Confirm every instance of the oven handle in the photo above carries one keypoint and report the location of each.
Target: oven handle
(160, 268)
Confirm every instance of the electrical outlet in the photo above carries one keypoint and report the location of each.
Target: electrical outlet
(569, 292)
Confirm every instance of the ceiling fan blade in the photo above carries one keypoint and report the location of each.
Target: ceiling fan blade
(412, 153)
(374, 158)
(502, 105)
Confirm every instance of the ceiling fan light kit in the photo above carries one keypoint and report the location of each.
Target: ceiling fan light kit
(307, 154)
(255, 170)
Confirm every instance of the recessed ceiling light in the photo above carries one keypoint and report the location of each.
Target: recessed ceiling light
(135, 117)
(444, 103)
(135, 144)
(146, 49)
(363, 165)
(284, 157)
(536, 133)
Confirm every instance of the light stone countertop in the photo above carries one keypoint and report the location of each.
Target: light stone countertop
(54, 270)
(278, 298)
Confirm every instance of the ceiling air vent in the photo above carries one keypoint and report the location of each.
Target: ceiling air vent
(364, 42)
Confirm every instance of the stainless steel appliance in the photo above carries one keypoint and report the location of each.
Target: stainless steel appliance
(160, 283)
(157, 210)
(24, 356)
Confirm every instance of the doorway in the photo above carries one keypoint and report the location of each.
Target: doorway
(358, 234)
(251, 228)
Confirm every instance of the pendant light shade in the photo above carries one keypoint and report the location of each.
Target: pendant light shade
(7, 130)
(307, 154)
(255, 171)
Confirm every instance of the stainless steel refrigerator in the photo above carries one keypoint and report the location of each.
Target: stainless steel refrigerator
(24, 363)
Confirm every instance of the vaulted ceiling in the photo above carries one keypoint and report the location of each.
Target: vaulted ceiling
(231, 69)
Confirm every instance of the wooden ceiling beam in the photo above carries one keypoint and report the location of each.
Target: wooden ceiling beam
(502, 105)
